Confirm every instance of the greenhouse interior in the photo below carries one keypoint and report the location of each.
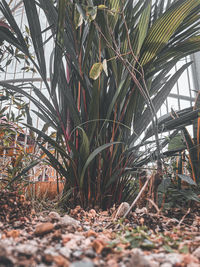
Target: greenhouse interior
(100, 133)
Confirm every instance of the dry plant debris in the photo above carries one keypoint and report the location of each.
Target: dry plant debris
(81, 239)
(13, 206)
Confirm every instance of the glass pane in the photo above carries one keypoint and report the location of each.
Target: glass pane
(172, 103)
(183, 84)
(184, 104)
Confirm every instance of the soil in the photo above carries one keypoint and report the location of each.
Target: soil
(90, 238)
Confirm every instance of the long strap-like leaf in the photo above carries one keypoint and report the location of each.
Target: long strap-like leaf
(46, 107)
(4, 8)
(164, 28)
(59, 45)
(35, 31)
(157, 101)
(92, 156)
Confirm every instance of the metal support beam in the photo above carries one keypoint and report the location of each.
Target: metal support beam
(25, 80)
(183, 97)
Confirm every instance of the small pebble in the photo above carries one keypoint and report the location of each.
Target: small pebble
(54, 216)
(77, 254)
(166, 264)
(86, 228)
(66, 252)
(82, 264)
(43, 228)
(90, 253)
(196, 253)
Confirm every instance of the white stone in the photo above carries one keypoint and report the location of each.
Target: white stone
(42, 219)
(197, 238)
(174, 258)
(160, 257)
(137, 250)
(166, 264)
(93, 212)
(69, 221)
(33, 243)
(74, 241)
(73, 244)
(66, 252)
(87, 242)
(193, 264)
(143, 210)
(154, 264)
(27, 249)
(54, 216)
(50, 251)
(138, 259)
(196, 253)
(121, 211)
(82, 263)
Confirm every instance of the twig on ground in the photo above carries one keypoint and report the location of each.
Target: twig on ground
(132, 205)
(183, 218)
(137, 198)
(163, 217)
(154, 204)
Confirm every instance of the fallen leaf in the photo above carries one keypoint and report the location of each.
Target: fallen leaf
(91, 233)
(98, 245)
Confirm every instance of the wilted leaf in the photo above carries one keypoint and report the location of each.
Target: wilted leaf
(96, 70)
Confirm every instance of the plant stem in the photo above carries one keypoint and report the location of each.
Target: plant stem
(137, 198)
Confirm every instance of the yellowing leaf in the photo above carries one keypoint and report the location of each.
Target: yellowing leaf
(96, 70)
(91, 13)
(102, 7)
